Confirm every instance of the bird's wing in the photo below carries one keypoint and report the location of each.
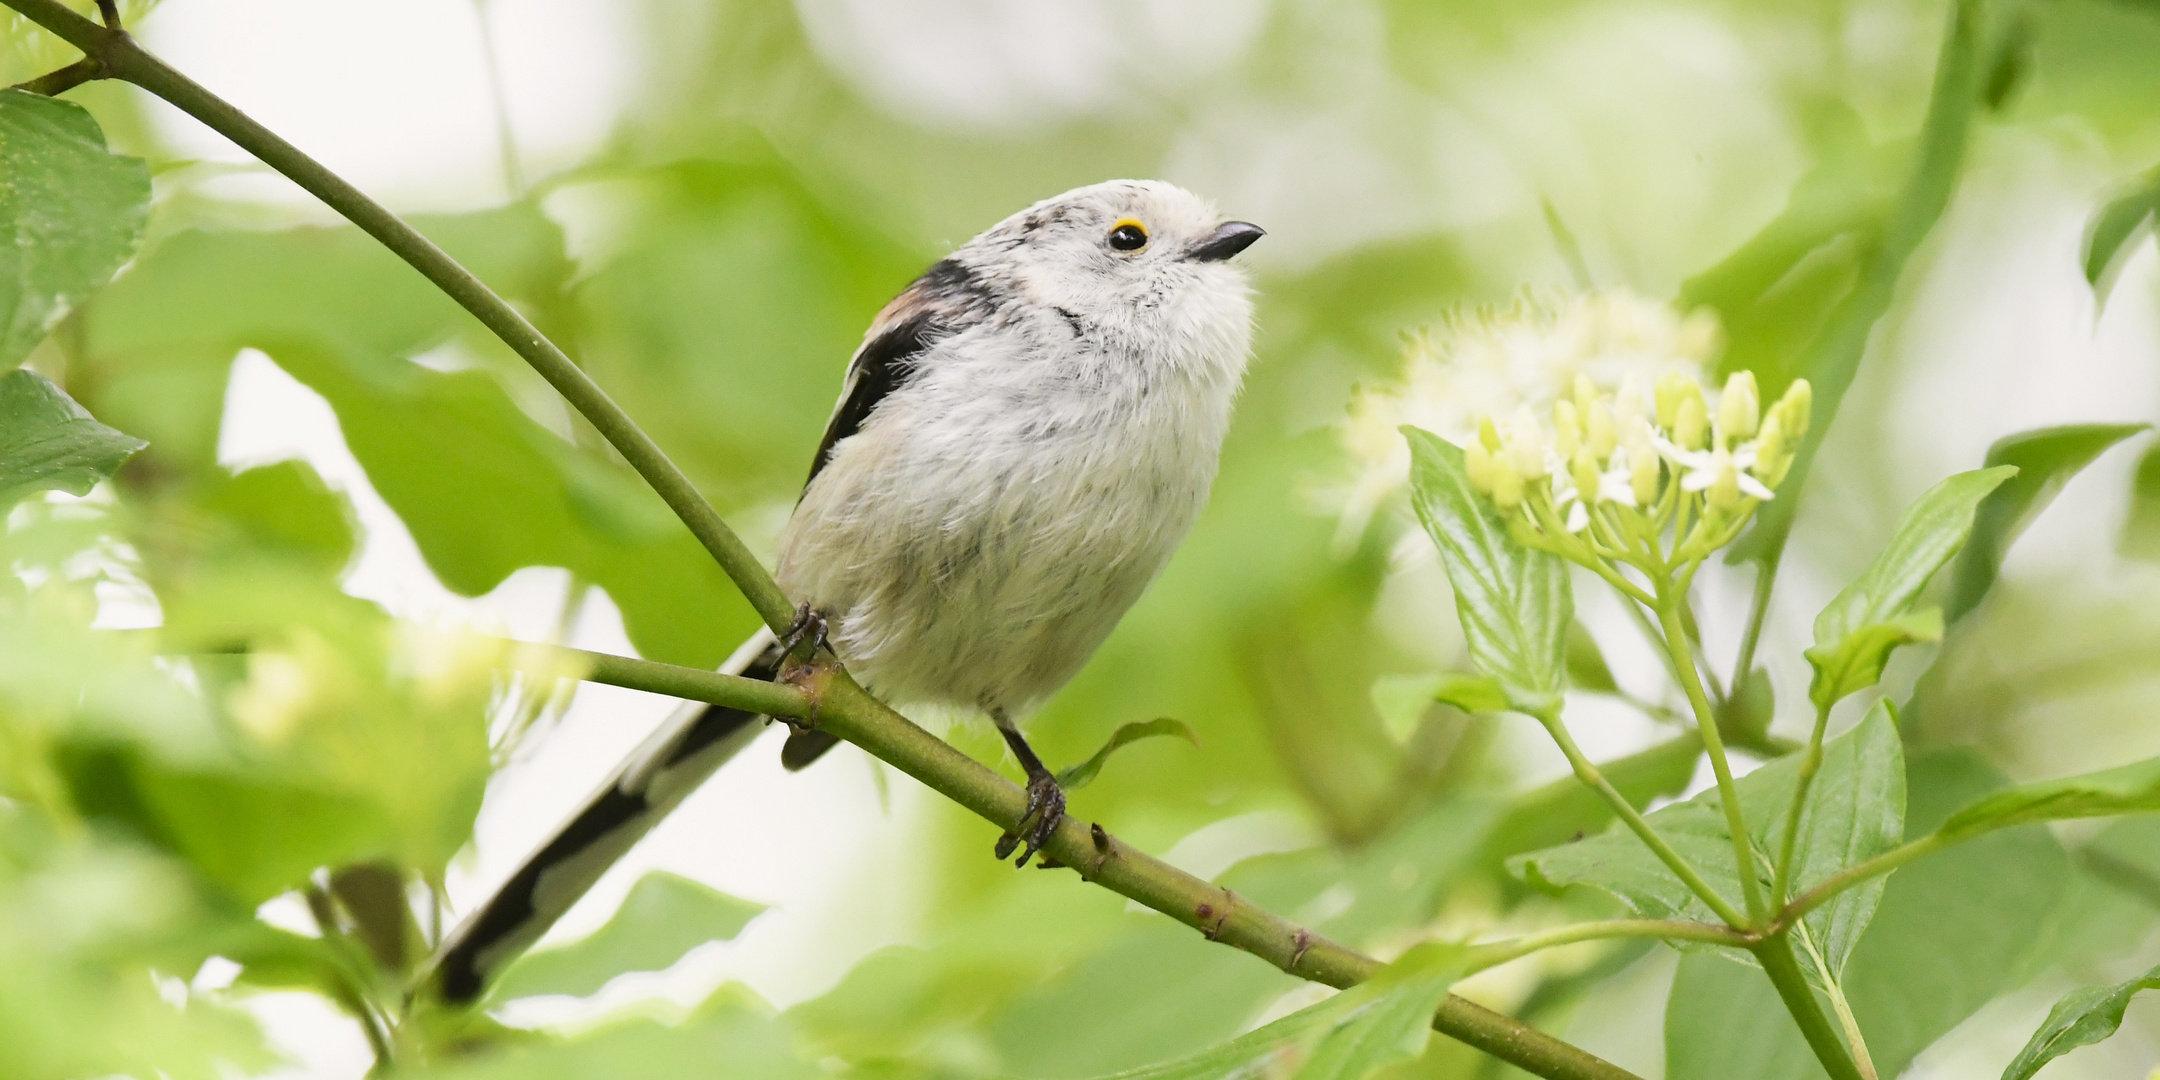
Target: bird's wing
(947, 299)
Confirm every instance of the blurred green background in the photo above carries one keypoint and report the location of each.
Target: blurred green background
(734, 188)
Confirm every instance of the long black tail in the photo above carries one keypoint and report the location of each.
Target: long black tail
(664, 770)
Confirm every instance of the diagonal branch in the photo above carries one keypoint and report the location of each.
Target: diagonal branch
(839, 705)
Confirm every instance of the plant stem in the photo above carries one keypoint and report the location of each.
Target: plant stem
(122, 58)
(837, 704)
(1775, 954)
(1676, 642)
(1839, 1007)
(1854, 875)
(1681, 868)
(1758, 613)
(1495, 953)
(1810, 762)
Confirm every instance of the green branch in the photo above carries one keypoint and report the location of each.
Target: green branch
(1809, 765)
(1677, 642)
(1494, 953)
(1775, 954)
(834, 700)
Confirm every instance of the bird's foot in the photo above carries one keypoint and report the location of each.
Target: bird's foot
(809, 626)
(1045, 810)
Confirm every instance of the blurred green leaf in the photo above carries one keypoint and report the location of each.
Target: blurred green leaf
(1951, 933)
(1586, 667)
(731, 1037)
(1514, 603)
(664, 917)
(1265, 1051)
(2108, 240)
(1855, 810)
(47, 441)
(2045, 459)
(2141, 530)
(1855, 633)
(2126, 789)
(287, 509)
(2084, 1016)
(71, 212)
(1401, 700)
(1079, 776)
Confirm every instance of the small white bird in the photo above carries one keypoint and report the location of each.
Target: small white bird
(1024, 437)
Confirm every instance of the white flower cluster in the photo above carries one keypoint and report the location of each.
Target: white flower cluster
(1495, 360)
(1625, 466)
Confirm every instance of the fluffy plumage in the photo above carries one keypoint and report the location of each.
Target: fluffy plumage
(1023, 438)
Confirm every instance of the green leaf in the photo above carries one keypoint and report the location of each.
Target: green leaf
(2115, 226)
(1564, 811)
(71, 212)
(1079, 776)
(663, 918)
(1346, 1037)
(2046, 459)
(47, 441)
(1856, 661)
(1871, 616)
(2126, 789)
(1586, 667)
(1514, 603)
(1952, 932)
(1855, 810)
(2084, 1016)
(2141, 530)
(288, 510)
(1397, 1025)
(1401, 700)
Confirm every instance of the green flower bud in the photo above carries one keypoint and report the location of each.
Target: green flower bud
(1584, 471)
(1567, 433)
(1478, 463)
(1794, 409)
(1643, 473)
(1725, 487)
(1507, 485)
(1586, 394)
(1691, 428)
(1672, 389)
(1740, 409)
(1526, 446)
(1488, 434)
(1600, 434)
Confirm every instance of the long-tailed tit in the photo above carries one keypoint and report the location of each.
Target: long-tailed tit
(1024, 437)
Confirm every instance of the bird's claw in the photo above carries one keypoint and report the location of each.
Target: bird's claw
(1045, 810)
(808, 625)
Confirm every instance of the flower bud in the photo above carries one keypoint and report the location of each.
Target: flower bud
(1740, 408)
(1507, 485)
(1567, 434)
(1643, 472)
(1586, 394)
(1478, 465)
(1724, 483)
(1488, 434)
(1691, 427)
(1628, 403)
(1794, 407)
(1526, 447)
(1599, 432)
(1672, 389)
(1584, 471)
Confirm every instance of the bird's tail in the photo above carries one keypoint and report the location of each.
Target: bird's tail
(696, 740)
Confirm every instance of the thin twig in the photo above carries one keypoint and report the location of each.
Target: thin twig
(842, 707)
(1494, 953)
(109, 10)
(65, 79)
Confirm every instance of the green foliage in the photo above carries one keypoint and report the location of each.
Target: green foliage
(1514, 603)
(1951, 932)
(1869, 618)
(1856, 810)
(2084, 1016)
(2045, 460)
(2126, 789)
(2109, 239)
(71, 211)
(48, 442)
(664, 917)
(1084, 773)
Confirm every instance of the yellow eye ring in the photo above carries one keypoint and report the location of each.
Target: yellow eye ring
(1128, 235)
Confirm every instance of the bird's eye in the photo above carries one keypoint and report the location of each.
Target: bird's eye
(1128, 235)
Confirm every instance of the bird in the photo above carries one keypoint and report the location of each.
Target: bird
(1025, 435)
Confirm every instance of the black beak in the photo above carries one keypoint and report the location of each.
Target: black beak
(1227, 240)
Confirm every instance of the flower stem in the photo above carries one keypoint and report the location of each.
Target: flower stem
(1810, 762)
(1681, 868)
(1669, 602)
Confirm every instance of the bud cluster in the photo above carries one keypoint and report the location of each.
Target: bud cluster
(1613, 474)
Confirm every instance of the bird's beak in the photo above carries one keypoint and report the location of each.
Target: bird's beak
(1228, 239)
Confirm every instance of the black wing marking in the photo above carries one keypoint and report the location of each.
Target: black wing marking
(948, 298)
